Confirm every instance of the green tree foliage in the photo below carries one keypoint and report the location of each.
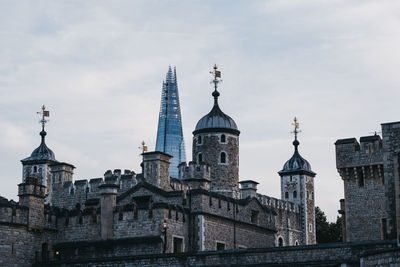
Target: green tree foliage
(327, 232)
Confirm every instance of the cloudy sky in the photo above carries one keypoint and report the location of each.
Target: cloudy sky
(99, 65)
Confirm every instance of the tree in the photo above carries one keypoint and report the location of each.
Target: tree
(327, 232)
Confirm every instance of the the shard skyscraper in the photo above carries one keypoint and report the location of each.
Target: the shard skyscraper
(169, 133)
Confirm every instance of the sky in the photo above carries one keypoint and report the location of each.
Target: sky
(98, 66)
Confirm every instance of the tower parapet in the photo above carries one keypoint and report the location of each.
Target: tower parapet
(195, 175)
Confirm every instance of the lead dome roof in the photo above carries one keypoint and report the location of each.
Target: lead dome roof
(297, 164)
(43, 152)
(216, 120)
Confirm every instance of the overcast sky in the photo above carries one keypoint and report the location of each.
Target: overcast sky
(99, 65)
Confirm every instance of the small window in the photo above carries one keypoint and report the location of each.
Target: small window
(291, 178)
(223, 157)
(310, 227)
(384, 228)
(280, 242)
(360, 179)
(254, 216)
(178, 245)
(200, 158)
(199, 140)
(296, 243)
(223, 138)
(220, 246)
(286, 195)
(294, 194)
(35, 169)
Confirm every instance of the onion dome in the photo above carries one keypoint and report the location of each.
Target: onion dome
(42, 152)
(216, 120)
(296, 164)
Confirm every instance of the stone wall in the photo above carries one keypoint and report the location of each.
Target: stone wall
(224, 176)
(312, 255)
(361, 167)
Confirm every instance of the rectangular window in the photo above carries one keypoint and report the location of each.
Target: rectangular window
(178, 244)
(384, 228)
(220, 246)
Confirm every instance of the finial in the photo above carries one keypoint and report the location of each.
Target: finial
(217, 79)
(295, 132)
(143, 147)
(43, 121)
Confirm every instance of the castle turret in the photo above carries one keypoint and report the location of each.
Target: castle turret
(31, 194)
(38, 164)
(297, 185)
(156, 169)
(216, 142)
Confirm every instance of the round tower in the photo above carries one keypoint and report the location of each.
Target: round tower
(216, 142)
(297, 186)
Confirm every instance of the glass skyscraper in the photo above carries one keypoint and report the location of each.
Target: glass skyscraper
(169, 133)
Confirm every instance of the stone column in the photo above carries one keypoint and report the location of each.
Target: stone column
(108, 201)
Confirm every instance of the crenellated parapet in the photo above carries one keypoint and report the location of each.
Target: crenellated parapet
(360, 160)
(68, 193)
(195, 175)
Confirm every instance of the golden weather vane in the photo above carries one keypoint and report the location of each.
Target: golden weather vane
(143, 147)
(217, 77)
(296, 125)
(44, 113)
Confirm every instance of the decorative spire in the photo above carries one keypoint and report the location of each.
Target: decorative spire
(295, 132)
(217, 79)
(43, 121)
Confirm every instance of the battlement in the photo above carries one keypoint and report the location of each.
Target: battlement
(194, 170)
(68, 193)
(195, 175)
(351, 153)
(278, 204)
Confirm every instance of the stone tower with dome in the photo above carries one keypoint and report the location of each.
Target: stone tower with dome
(297, 186)
(216, 143)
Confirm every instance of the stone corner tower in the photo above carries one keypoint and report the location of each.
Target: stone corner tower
(297, 186)
(216, 143)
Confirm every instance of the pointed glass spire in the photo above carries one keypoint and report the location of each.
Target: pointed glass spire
(169, 133)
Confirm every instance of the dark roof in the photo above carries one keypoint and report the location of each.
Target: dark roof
(297, 164)
(346, 141)
(216, 120)
(371, 138)
(42, 152)
(248, 181)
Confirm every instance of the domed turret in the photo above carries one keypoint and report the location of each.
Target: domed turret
(216, 143)
(297, 186)
(216, 120)
(42, 152)
(296, 163)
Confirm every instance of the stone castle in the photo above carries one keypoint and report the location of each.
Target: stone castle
(126, 213)
(370, 172)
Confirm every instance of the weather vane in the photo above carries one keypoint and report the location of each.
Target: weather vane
(44, 113)
(296, 127)
(143, 147)
(217, 77)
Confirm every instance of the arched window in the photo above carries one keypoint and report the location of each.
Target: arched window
(223, 157)
(296, 243)
(200, 158)
(199, 140)
(223, 138)
(280, 242)
(34, 169)
(294, 194)
(286, 195)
